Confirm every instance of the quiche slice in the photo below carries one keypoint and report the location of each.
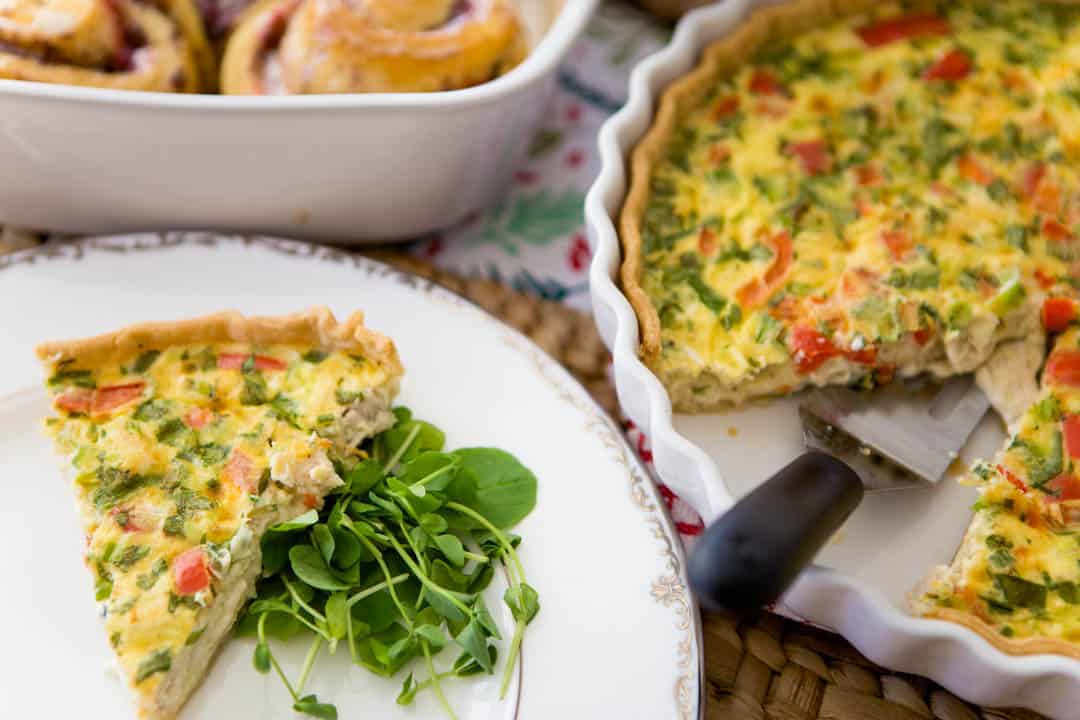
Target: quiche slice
(848, 190)
(1016, 576)
(187, 441)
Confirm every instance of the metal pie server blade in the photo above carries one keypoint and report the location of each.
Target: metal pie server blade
(903, 435)
(898, 437)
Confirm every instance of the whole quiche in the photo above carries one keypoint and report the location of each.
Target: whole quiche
(888, 193)
(845, 192)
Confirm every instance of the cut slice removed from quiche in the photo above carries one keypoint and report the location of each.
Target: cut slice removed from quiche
(1016, 576)
(187, 441)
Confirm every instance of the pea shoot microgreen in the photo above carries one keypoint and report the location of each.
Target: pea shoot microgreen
(394, 566)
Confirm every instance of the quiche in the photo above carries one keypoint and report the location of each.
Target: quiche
(1016, 577)
(187, 440)
(847, 191)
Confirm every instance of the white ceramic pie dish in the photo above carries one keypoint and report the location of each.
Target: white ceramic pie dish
(859, 584)
(353, 168)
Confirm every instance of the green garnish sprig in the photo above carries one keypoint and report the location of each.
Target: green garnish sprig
(395, 564)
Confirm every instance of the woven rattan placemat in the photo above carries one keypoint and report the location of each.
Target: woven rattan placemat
(759, 668)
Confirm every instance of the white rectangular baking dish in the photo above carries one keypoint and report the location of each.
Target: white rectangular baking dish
(861, 579)
(352, 168)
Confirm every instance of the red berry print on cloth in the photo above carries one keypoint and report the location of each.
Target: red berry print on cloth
(579, 254)
(526, 177)
(525, 238)
(687, 521)
(637, 439)
(434, 247)
(643, 449)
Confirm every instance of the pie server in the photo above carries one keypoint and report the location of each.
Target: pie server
(902, 436)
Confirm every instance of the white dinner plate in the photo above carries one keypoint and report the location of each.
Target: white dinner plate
(617, 635)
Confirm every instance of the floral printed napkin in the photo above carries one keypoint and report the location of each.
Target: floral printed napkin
(535, 240)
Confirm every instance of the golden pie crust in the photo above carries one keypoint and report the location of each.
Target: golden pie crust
(315, 327)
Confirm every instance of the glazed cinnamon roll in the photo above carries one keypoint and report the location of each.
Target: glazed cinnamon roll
(351, 46)
(120, 44)
(220, 16)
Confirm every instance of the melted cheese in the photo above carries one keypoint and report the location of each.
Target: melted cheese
(926, 216)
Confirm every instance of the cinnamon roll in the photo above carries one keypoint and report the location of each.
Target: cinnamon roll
(120, 44)
(352, 46)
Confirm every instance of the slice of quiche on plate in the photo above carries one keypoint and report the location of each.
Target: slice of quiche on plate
(1016, 578)
(187, 441)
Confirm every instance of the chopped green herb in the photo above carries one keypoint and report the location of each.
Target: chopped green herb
(1067, 591)
(151, 410)
(255, 391)
(179, 601)
(174, 525)
(285, 409)
(936, 218)
(722, 174)
(1043, 464)
(122, 607)
(960, 316)
(206, 359)
(769, 329)
(174, 432)
(688, 273)
(148, 580)
(939, 144)
(79, 378)
(210, 454)
(347, 397)
(1047, 409)
(115, 485)
(996, 606)
(999, 191)
(732, 317)
(1020, 593)
(1017, 236)
(1001, 559)
(760, 252)
(103, 587)
(188, 501)
(156, 662)
(919, 279)
(145, 361)
(765, 187)
(130, 555)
